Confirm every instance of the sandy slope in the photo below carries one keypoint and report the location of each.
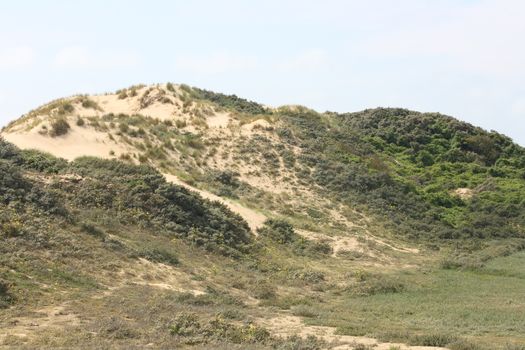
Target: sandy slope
(76, 143)
(253, 218)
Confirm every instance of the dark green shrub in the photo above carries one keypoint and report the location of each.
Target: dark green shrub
(66, 108)
(309, 276)
(263, 290)
(193, 141)
(185, 324)
(5, 297)
(425, 158)
(115, 185)
(42, 162)
(313, 248)
(296, 342)
(304, 311)
(88, 103)
(160, 255)
(122, 94)
(440, 340)
(227, 101)
(280, 231)
(124, 128)
(59, 127)
(91, 230)
(117, 328)
(376, 284)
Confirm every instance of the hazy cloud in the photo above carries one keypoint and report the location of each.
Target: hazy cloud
(16, 57)
(215, 63)
(483, 37)
(83, 57)
(518, 107)
(305, 61)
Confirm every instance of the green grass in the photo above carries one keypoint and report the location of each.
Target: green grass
(509, 266)
(486, 306)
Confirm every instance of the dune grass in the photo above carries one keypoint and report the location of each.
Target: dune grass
(485, 306)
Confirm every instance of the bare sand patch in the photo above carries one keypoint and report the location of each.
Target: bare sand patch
(288, 325)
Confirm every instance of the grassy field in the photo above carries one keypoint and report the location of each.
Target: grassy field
(485, 307)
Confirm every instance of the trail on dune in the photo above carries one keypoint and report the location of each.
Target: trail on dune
(252, 217)
(288, 325)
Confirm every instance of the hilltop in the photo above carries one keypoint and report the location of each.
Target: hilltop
(169, 215)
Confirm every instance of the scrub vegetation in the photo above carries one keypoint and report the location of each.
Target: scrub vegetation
(285, 228)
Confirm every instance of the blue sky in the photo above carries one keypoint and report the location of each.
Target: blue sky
(461, 58)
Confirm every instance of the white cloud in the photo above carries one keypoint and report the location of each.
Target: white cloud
(215, 63)
(16, 57)
(484, 37)
(83, 57)
(305, 61)
(518, 107)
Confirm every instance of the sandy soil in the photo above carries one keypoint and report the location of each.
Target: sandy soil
(219, 120)
(463, 192)
(54, 316)
(79, 141)
(287, 325)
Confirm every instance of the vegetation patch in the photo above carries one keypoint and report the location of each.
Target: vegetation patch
(59, 127)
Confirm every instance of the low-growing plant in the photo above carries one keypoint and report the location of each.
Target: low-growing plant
(5, 297)
(59, 127)
(304, 311)
(440, 340)
(278, 230)
(92, 230)
(376, 284)
(160, 255)
(263, 290)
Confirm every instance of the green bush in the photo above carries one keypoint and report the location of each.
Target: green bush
(5, 297)
(115, 185)
(263, 290)
(227, 101)
(296, 342)
(376, 284)
(308, 276)
(440, 340)
(185, 324)
(91, 230)
(280, 231)
(88, 103)
(42, 162)
(304, 311)
(194, 330)
(66, 108)
(59, 127)
(160, 255)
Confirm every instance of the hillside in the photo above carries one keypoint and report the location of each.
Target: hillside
(168, 216)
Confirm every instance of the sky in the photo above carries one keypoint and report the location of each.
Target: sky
(464, 58)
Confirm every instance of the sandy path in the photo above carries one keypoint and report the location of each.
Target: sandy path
(288, 325)
(253, 218)
(55, 316)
